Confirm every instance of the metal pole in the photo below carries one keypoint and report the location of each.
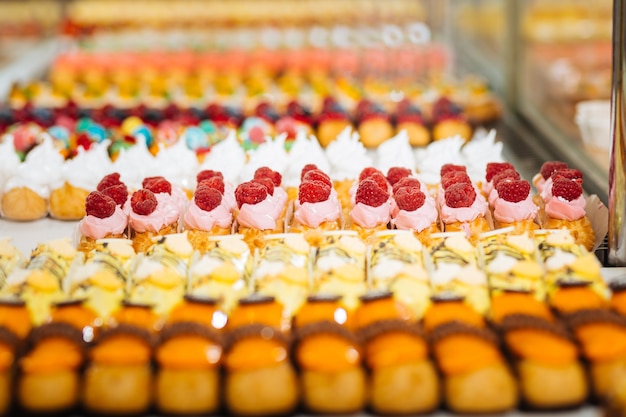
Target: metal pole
(617, 171)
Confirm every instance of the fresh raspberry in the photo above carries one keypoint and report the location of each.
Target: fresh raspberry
(406, 182)
(157, 185)
(395, 174)
(143, 202)
(452, 168)
(266, 182)
(370, 194)
(380, 180)
(118, 193)
(250, 193)
(109, 181)
(307, 168)
(313, 192)
(276, 178)
(494, 168)
(410, 198)
(207, 198)
(216, 183)
(566, 189)
(513, 191)
(549, 167)
(569, 174)
(460, 195)
(206, 174)
(454, 177)
(99, 205)
(317, 175)
(368, 172)
(507, 174)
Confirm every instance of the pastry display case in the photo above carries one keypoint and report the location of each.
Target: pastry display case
(278, 207)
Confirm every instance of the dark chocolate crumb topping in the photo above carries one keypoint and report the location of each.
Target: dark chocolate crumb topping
(325, 326)
(256, 298)
(257, 330)
(184, 328)
(375, 295)
(319, 298)
(525, 321)
(583, 317)
(458, 327)
(199, 299)
(56, 329)
(385, 326)
(130, 330)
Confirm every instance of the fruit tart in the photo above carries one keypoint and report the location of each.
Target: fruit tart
(329, 357)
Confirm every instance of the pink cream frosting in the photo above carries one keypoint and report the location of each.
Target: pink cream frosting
(180, 197)
(416, 220)
(261, 216)
(196, 218)
(493, 197)
(167, 212)
(280, 195)
(539, 182)
(464, 214)
(546, 192)
(369, 217)
(487, 187)
(96, 228)
(394, 205)
(314, 214)
(508, 212)
(560, 208)
(229, 196)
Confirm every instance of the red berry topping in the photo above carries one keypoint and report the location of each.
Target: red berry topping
(494, 168)
(216, 183)
(507, 174)
(569, 174)
(406, 182)
(370, 194)
(307, 168)
(513, 191)
(313, 192)
(395, 174)
(266, 182)
(143, 202)
(99, 205)
(566, 189)
(410, 198)
(454, 177)
(380, 180)
(452, 168)
(157, 185)
(368, 172)
(250, 193)
(317, 175)
(118, 193)
(549, 167)
(460, 195)
(109, 181)
(266, 172)
(207, 198)
(206, 174)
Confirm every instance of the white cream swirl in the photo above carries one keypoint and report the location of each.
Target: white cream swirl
(178, 164)
(347, 156)
(87, 168)
(227, 157)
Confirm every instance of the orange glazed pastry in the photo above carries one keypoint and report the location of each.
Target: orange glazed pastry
(118, 379)
(260, 380)
(546, 358)
(329, 358)
(476, 378)
(600, 332)
(189, 355)
(50, 371)
(396, 352)
(15, 326)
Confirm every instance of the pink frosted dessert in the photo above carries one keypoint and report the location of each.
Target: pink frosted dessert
(462, 204)
(316, 204)
(104, 217)
(493, 169)
(560, 208)
(257, 207)
(402, 183)
(152, 212)
(515, 203)
(207, 211)
(548, 167)
(279, 194)
(371, 173)
(228, 190)
(416, 210)
(373, 205)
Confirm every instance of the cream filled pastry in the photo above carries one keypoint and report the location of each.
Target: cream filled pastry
(515, 207)
(259, 212)
(151, 215)
(207, 215)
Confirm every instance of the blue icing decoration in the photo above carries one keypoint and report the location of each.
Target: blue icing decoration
(195, 137)
(60, 133)
(251, 122)
(208, 127)
(83, 124)
(96, 132)
(143, 131)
